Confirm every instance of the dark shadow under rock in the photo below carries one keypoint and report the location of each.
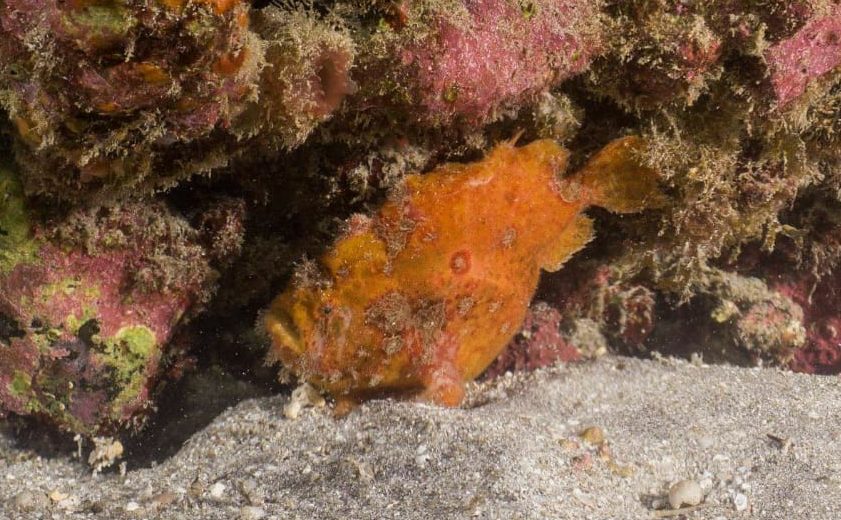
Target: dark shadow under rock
(186, 407)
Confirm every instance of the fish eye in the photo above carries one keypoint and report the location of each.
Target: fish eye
(327, 309)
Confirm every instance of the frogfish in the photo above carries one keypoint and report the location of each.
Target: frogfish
(420, 297)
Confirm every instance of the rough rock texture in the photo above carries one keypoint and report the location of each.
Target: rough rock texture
(442, 62)
(89, 303)
(515, 454)
(116, 99)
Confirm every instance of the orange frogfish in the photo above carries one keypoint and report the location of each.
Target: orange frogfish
(422, 296)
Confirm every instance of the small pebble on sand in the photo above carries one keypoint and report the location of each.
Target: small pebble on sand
(740, 502)
(217, 490)
(685, 493)
(252, 513)
(593, 435)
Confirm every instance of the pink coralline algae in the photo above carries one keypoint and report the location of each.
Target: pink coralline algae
(88, 306)
(821, 303)
(110, 97)
(813, 52)
(471, 60)
(622, 312)
(540, 343)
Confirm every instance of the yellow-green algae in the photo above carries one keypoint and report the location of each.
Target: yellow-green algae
(102, 21)
(21, 384)
(17, 244)
(67, 287)
(129, 352)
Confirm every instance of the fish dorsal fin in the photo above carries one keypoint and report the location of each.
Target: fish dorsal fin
(516, 137)
(571, 240)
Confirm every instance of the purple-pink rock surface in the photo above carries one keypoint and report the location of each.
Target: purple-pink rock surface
(811, 53)
(468, 61)
(88, 307)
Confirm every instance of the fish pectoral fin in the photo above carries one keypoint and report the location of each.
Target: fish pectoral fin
(441, 378)
(443, 391)
(570, 241)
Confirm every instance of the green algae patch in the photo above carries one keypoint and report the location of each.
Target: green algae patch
(136, 340)
(16, 242)
(21, 384)
(86, 296)
(73, 323)
(65, 287)
(129, 352)
(103, 21)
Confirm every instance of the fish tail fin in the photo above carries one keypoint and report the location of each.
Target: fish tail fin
(618, 181)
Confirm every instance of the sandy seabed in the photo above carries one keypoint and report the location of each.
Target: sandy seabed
(761, 443)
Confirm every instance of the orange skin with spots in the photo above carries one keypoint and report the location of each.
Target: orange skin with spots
(423, 296)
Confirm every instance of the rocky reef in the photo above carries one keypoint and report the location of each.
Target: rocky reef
(170, 166)
(90, 303)
(108, 98)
